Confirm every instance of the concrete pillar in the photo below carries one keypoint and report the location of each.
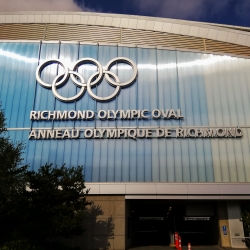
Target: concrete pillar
(225, 240)
(104, 224)
(235, 224)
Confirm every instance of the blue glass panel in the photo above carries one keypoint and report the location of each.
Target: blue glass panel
(7, 59)
(178, 161)
(167, 84)
(133, 160)
(182, 150)
(105, 54)
(209, 90)
(147, 83)
(86, 70)
(170, 161)
(227, 89)
(44, 98)
(111, 161)
(118, 160)
(69, 55)
(17, 74)
(192, 89)
(245, 146)
(125, 160)
(127, 98)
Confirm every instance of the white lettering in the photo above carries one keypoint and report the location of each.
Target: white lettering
(62, 116)
(42, 115)
(160, 133)
(81, 115)
(32, 134)
(111, 134)
(41, 133)
(125, 116)
(33, 115)
(70, 114)
(164, 115)
(90, 114)
(143, 115)
(148, 133)
(58, 134)
(156, 113)
(102, 112)
(66, 134)
(132, 133)
(77, 133)
(53, 115)
(88, 133)
(50, 134)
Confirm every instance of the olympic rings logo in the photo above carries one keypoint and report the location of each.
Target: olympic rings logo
(62, 78)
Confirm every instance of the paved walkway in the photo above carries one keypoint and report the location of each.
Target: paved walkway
(184, 248)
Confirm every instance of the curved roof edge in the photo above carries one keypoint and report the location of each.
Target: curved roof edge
(224, 33)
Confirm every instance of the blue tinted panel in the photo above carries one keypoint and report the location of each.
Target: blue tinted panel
(44, 98)
(168, 89)
(69, 55)
(147, 83)
(87, 70)
(210, 91)
(18, 62)
(127, 99)
(192, 89)
(105, 54)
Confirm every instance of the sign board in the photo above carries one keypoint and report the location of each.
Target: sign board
(117, 132)
(196, 218)
(224, 228)
(151, 218)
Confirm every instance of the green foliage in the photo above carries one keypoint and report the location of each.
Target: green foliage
(12, 182)
(37, 209)
(246, 221)
(55, 203)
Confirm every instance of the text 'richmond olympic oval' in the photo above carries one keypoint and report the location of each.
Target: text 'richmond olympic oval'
(105, 114)
(81, 82)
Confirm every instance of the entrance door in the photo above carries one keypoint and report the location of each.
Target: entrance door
(154, 222)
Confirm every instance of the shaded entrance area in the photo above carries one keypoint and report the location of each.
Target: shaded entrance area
(153, 222)
(183, 248)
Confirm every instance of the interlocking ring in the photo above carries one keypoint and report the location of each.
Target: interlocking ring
(121, 59)
(70, 99)
(103, 99)
(62, 78)
(99, 66)
(42, 66)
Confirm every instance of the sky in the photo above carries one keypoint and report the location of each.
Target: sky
(232, 12)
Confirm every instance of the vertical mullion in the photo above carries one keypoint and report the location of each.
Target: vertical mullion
(38, 62)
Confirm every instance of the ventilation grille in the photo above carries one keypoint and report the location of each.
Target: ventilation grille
(22, 31)
(155, 38)
(82, 33)
(228, 48)
(93, 33)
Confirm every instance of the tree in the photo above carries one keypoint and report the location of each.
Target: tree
(56, 205)
(12, 182)
(37, 209)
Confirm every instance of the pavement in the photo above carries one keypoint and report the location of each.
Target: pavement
(184, 248)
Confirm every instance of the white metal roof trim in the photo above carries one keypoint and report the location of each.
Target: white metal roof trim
(241, 35)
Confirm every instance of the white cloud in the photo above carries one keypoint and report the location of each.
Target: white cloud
(41, 5)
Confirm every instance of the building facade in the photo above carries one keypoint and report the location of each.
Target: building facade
(157, 111)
